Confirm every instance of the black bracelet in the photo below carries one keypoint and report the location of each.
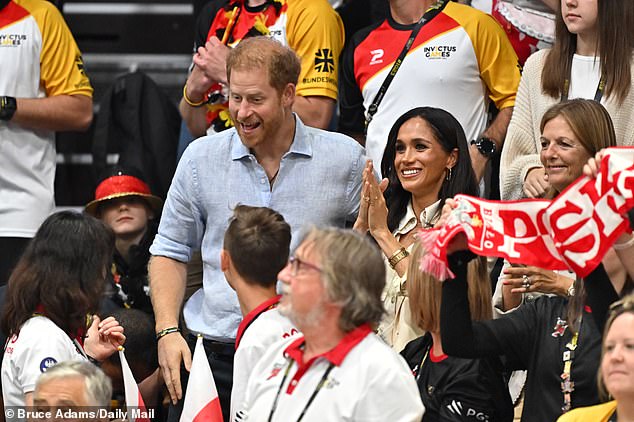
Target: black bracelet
(167, 331)
(93, 361)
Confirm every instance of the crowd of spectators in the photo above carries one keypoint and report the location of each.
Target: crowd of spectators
(325, 157)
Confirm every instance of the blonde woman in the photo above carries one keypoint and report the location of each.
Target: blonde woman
(616, 374)
(443, 381)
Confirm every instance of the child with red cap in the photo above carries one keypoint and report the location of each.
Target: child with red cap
(125, 203)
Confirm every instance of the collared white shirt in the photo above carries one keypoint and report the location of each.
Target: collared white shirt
(368, 382)
(258, 330)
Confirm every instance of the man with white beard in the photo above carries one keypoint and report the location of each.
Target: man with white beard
(339, 369)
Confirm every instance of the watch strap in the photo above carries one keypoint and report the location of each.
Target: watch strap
(8, 106)
(480, 145)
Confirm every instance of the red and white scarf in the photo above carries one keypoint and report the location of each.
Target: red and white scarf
(573, 231)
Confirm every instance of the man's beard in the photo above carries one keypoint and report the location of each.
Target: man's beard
(310, 320)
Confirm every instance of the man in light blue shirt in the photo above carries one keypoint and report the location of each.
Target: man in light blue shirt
(269, 159)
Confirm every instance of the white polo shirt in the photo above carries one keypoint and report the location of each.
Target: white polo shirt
(40, 345)
(367, 381)
(258, 330)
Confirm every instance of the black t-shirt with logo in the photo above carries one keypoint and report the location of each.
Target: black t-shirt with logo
(456, 389)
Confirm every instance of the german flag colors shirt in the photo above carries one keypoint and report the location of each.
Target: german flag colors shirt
(38, 58)
(459, 61)
(310, 27)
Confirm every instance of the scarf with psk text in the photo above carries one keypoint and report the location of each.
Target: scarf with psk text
(573, 231)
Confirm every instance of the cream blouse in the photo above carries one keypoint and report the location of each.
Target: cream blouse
(396, 328)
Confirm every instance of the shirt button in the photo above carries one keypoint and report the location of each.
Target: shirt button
(262, 181)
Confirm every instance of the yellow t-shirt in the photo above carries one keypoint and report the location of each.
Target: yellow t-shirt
(310, 27)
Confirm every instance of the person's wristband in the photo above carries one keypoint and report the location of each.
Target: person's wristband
(93, 361)
(397, 257)
(624, 245)
(167, 331)
(8, 106)
(190, 102)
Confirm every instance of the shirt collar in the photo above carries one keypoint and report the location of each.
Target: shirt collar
(408, 222)
(254, 314)
(336, 355)
(301, 144)
(428, 216)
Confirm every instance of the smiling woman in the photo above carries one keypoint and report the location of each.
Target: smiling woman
(616, 374)
(591, 58)
(572, 132)
(425, 162)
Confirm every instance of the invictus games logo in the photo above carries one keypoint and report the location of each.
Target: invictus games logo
(324, 61)
(439, 51)
(12, 40)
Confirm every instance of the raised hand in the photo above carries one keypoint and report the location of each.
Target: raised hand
(103, 338)
(361, 224)
(591, 168)
(212, 60)
(534, 279)
(377, 209)
(536, 183)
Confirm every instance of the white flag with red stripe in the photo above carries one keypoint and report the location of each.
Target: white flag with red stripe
(201, 399)
(133, 400)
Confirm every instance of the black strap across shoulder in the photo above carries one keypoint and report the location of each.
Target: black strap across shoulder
(430, 14)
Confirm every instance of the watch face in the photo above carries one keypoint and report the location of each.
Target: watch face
(486, 146)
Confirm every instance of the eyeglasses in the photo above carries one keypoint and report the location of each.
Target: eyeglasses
(297, 263)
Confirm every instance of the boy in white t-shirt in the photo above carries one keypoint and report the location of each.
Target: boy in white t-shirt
(256, 248)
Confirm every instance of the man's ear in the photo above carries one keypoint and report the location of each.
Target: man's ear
(288, 95)
(225, 260)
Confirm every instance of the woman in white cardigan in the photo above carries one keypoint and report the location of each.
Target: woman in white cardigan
(591, 58)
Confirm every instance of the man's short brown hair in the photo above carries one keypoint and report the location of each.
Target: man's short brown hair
(258, 241)
(258, 53)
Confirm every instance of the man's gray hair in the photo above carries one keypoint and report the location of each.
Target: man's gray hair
(98, 387)
(353, 274)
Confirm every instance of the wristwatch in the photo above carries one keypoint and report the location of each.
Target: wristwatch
(485, 145)
(8, 106)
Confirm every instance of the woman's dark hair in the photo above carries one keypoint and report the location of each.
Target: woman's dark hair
(61, 273)
(615, 47)
(451, 136)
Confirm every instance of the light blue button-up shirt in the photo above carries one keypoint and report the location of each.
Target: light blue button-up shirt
(319, 183)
